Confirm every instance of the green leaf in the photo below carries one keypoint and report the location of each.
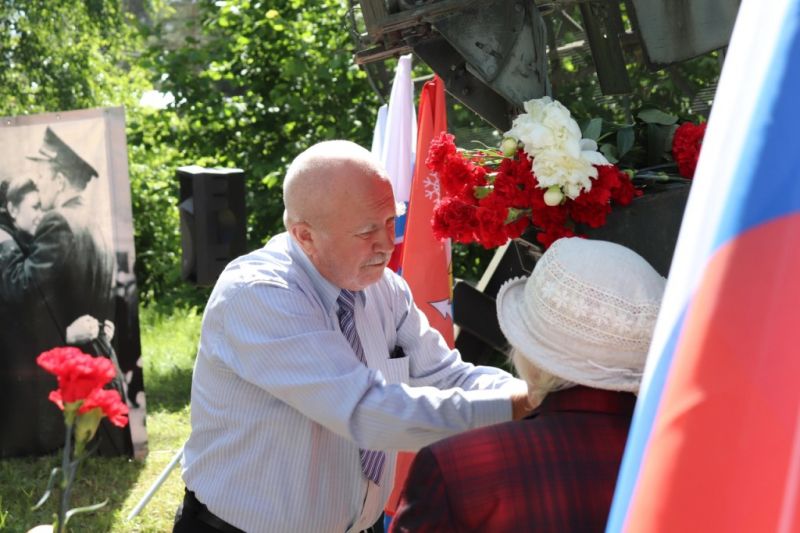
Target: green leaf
(659, 143)
(86, 509)
(610, 151)
(625, 139)
(593, 129)
(669, 138)
(482, 192)
(53, 473)
(515, 214)
(654, 116)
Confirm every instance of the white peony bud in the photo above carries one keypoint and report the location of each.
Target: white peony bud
(509, 146)
(553, 196)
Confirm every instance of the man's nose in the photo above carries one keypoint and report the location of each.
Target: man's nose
(385, 243)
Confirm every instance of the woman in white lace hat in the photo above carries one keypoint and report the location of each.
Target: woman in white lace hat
(579, 327)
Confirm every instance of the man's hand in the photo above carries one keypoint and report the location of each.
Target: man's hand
(521, 405)
(108, 330)
(82, 330)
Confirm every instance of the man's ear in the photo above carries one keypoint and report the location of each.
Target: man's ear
(304, 236)
(61, 181)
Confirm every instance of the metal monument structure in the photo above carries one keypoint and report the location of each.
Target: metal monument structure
(493, 55)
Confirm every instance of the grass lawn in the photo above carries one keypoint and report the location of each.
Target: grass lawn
(168, 349)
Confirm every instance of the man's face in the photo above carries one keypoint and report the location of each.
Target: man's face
(28, 213)
(353, 245)
(50, 183)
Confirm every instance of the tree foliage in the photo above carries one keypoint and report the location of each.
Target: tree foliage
(64, 55)
(259, 83)
(254, 83)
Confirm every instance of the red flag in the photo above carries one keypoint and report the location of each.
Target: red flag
(425, 261)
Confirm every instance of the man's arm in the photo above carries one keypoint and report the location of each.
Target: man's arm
(21, 275)
(423, 504)
(283, 342)
(433, 363)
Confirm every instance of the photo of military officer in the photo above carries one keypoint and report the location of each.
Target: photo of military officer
(58, 286)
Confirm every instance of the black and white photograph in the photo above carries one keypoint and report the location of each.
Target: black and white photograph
(66, 272)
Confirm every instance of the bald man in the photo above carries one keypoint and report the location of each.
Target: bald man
(315, 367)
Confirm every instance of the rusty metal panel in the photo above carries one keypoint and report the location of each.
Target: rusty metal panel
(374, 13)
(649, 226)
(504, 45)
(676, 30)
(602, 22)
(463, 85)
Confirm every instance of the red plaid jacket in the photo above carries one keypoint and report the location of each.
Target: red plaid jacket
(554, 471)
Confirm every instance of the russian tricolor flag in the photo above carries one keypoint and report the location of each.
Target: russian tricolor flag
(715, 440)
(394, 143)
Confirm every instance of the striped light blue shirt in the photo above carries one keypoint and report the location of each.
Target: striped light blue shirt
(281, 404)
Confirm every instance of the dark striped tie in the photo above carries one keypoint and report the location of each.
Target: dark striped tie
(371, 460)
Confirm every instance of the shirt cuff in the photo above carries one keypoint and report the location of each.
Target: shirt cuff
(489, 406)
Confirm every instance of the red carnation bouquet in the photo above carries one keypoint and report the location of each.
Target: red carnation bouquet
(82, 395)
(544, 175)
(686, 144)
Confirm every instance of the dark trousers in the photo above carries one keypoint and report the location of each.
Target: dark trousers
(377, 527)
(194, 517)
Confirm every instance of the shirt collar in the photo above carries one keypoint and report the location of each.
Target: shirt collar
(324, 288)
(582, 398)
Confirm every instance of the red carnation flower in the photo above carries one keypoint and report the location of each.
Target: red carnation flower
(517, 228)
(514, 181)
(551, 220)
(545, 216)
(440, 147)
(458, 176)
(625, 192)
(591, 213)
(491, 217)
(456, 219)
(686, 146)
(552, 234)
(593, 206)
(110, 402)
(78, 373)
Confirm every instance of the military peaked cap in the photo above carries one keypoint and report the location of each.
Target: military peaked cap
(64, 159)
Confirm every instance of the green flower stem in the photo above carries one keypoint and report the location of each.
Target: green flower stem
(68, 471)
(653, 168)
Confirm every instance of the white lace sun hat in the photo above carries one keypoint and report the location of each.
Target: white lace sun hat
(586, 314)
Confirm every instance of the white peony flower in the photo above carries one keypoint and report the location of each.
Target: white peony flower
(535, 107)
(573, 190)
(546, 125)
(572, 174)
(589, 153)
(563, 162)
